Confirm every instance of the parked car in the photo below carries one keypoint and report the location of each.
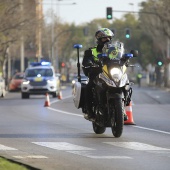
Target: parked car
(2, 87)
(15, 83)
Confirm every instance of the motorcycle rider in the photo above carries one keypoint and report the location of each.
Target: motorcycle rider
(104, 37)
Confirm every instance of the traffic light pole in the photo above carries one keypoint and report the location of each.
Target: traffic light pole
(144, 12)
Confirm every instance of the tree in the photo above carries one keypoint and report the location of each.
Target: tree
(14, 23)
(156, 24)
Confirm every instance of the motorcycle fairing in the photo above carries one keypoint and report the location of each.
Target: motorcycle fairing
(107, 80)
(123, 80)
(112, 83)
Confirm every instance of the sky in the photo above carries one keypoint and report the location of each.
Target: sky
(86, 10)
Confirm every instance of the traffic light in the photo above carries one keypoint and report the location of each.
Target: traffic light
(159, 63)
(63, 64)
(127, 33)
(109, 12)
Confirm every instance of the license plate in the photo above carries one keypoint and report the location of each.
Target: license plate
(38, 79)
(38, 87)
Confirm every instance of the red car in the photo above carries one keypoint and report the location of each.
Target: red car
(15, 83)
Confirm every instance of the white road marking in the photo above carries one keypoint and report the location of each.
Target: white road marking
(73, 114)
(64, 146)
(68, 113)
(110, 157)
(77, 150)
(31, 157)
(140, 127)
(3, 147)
(160, 131)
(136, 146)
(89, 155)
(55, 101)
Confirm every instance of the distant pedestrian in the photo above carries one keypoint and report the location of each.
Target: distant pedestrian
(139, 77)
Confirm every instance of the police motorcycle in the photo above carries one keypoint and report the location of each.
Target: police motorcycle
(111, 86)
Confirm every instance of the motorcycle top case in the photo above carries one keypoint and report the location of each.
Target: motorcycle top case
(78, 94)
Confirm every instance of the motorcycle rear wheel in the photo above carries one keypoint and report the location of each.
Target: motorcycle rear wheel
(98, 129)
(117, 121)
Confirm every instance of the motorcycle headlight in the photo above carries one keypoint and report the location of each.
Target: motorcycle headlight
(116, 74)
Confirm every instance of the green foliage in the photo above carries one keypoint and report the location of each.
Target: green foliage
(155, 23)
(7, 165)
(143, 36)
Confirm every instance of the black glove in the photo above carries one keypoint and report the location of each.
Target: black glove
(99, 63)
(89, 63)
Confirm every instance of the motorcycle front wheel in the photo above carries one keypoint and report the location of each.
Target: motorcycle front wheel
(98, 129)
(117, 120)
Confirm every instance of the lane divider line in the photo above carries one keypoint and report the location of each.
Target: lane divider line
(73, 114)
(160, 131)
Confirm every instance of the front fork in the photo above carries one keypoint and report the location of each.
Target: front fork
(113, 97)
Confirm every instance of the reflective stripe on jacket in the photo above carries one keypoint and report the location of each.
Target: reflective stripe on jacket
(95, 53)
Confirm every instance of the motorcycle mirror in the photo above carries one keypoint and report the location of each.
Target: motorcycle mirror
(134, 52)
(78, 46)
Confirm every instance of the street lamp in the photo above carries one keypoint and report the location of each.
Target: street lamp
(38, 29)
(22, 63)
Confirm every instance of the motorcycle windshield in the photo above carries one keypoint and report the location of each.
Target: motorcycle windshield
(113, 51)
(114, 54)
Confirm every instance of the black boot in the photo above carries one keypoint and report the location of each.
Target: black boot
(125, 116)
(91, 115)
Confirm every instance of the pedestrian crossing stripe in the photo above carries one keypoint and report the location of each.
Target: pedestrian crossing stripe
(137, 146)
(3, 147)
(88, 152)
(77, 150)
(64, 146)
(31, 157)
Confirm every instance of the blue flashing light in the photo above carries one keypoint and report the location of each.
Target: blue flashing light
(42, 63)
(102, 55)
(128, 55)
(45, 63)
(78, 46)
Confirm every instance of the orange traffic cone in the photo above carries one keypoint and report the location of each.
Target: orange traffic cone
(47, 101)
(128, 110)
(60, 95)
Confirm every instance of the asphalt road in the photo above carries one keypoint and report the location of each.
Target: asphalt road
(59, 138)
